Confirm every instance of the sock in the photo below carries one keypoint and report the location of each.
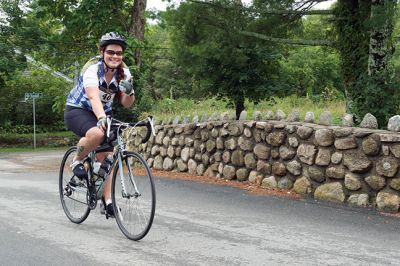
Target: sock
(108, 201)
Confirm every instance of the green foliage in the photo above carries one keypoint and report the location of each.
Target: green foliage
(17, 112)
(168, 108)
(369, 84)
(207, 46)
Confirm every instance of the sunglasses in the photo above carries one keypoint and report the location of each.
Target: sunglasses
(112, 53)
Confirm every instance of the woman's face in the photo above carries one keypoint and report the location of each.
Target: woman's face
(113, 55)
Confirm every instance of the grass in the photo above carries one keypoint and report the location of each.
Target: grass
(169, 108)
(10, 142)
(29, 149)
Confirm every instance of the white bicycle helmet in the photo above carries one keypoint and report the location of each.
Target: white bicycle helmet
(112, 38)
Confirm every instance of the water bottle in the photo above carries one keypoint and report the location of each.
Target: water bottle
(96, 167)
(105, 167)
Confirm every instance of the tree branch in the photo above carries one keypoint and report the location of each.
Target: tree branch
(288, 41)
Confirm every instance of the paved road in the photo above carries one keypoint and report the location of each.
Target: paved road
(195, 224)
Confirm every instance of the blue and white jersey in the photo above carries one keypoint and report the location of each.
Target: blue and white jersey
(93, 75)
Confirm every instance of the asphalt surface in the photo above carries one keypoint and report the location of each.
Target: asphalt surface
(195, 224)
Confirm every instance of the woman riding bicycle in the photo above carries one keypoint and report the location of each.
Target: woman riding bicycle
(90, 102)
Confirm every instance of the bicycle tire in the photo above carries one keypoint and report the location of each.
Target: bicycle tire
(134, 213)
(73, 198)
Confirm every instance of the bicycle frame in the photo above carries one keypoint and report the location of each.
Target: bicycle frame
(119, 151)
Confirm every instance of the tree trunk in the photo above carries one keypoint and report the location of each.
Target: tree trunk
(137, 25)
(239, 105)
(380, 47)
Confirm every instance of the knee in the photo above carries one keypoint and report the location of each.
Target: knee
(95, 135)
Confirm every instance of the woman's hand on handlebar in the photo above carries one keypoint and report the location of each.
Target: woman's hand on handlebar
(102, 123)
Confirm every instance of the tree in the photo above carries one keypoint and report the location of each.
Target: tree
(365, 42)
(207, 46)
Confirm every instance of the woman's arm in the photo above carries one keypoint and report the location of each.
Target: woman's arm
(94, 98)
(126, 100)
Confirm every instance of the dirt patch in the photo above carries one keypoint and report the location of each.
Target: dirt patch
(250, 187)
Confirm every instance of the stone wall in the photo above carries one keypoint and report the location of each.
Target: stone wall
(339, 164)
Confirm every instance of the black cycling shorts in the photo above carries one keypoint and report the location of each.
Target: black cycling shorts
(80, 120)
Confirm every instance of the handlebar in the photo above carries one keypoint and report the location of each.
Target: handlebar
(148, 123)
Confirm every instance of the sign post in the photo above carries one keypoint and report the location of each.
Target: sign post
(33, 96)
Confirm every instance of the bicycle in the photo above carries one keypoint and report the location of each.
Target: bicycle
(133, 190)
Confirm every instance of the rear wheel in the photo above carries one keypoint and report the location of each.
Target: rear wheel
(133, 196)
(73, 192)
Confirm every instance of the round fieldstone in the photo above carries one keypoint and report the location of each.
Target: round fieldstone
(332, 192)
(286, 153)
(231, 144)
(387, 202)
(395, 150)
(324, 137)
(280, 115)
(336, 157)
(200, 169)
(294, 167)
(250, 161)
(210, 146)
(155, 150)
(294, 116)
(262, 151)
(395, 184)
(375, 182)
(255, 177)
(189, 142)
(247, 132)
(237, 158)
(242, 174)
(302, 186)
(369, 121)
(235, 129)
(309, 117)
(336, 172)
(316, 174)
(269, 182)
(245, 144)
(278, 169)
(171, 152)
(219, 143)
(269, 115)
(263, 167)
(226, 157)
(352, 182)
(387, 166)
(341, 132)
(306, 153)
(181, 165)
(356, 161)
(360, 200)
(323, 157)
(325, 118)
(192, 167)
(394, 123)
(371, 145)
(346, 143)
(229, 172)
(158, 162)
(347, 120)
(276, 138)
(293, 142)
(304, 132)
(185, 154)
(285, 183)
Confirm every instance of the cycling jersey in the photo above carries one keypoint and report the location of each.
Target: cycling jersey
(93, 75)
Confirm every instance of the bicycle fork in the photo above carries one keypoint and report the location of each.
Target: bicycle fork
(125, 194)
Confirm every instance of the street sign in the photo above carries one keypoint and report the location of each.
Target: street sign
(33, 95)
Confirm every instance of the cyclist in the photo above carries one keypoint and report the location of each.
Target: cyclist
(102, 79)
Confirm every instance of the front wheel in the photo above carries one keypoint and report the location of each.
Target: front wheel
(73, 192)
(133, 196)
